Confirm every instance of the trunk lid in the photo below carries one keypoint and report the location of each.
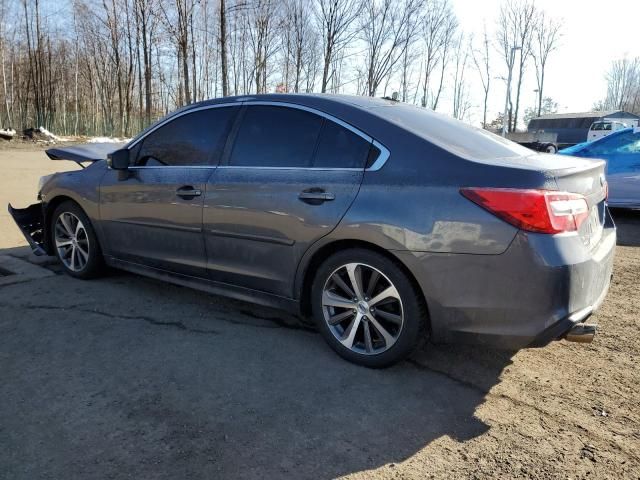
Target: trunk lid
(90, 152)
(586, 177)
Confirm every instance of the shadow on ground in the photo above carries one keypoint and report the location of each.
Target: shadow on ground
(628, 223)
(129, 377)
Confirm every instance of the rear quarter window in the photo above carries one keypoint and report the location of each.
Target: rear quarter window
(339, 147)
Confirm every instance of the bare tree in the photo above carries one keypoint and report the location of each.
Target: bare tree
(546, 39)
(623, 85)
(263, 29)
(8, 101)
(438, 30)
(409, 56)
(387, 30)
(461, 102)
(336, 19)
(516, 25)
(178, 20)
(223, 48)
(298, 43)
(481, 59)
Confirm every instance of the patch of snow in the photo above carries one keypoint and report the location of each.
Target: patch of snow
(52, 136)
(9, 132)
(107, 140)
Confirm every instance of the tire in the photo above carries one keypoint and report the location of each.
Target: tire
(76, 247)
(389, 310)
(550, 148)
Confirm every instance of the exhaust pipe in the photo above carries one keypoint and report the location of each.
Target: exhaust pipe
(581, 333)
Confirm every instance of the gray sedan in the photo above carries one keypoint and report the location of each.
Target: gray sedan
(387, 223)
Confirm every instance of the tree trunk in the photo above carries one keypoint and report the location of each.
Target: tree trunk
(223, 49)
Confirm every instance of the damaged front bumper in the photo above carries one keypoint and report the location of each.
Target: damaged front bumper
(30, 221)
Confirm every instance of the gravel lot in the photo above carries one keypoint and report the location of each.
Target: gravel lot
(126, 377)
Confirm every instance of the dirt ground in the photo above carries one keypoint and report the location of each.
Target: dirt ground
(126, 377)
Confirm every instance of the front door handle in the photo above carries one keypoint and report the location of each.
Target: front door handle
(315, 196)
(188, 192)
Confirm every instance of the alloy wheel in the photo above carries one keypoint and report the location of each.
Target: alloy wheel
(362, 308)
(72, 241)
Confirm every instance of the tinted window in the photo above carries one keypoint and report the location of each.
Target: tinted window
(196, 138)
(271, 136)
(340, 148)
(597, 126)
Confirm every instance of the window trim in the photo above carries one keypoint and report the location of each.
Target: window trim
(375, 166)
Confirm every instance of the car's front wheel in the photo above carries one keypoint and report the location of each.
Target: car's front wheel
(74, 241)
(367, 308)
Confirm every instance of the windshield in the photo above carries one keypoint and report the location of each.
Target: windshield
(450, 134)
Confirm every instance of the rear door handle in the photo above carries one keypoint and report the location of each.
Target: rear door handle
(188, 192)
(316, 196)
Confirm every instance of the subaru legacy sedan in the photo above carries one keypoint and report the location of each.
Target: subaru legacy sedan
(388, 224)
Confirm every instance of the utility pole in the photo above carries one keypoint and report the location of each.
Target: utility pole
(512, 58)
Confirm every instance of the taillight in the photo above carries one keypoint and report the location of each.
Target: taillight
(540, 211)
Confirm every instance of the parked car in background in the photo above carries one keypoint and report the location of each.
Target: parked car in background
(387, 223)
(603, 128)
(621, 151)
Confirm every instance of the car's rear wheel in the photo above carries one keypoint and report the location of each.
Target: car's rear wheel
(74, 241)
(367, 308)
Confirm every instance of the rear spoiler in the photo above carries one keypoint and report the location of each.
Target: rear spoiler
(86, 153)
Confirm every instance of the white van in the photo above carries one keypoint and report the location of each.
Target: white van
(603, 128)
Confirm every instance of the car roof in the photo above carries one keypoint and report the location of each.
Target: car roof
(302, 99)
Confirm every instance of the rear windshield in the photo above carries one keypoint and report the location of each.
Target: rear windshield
(452, 135)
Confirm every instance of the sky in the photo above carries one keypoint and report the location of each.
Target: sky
(594, 34)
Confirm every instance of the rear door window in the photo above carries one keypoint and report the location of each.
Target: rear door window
(193, 139)
(274, 136)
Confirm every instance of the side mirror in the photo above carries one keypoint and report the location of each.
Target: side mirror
(119, 160)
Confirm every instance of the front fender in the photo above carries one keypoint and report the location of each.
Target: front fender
(80, 186)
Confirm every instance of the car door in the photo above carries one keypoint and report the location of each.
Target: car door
(287, 180)
(152, 213)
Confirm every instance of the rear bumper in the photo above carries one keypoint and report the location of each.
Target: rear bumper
(30, 221)
(530, 295)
